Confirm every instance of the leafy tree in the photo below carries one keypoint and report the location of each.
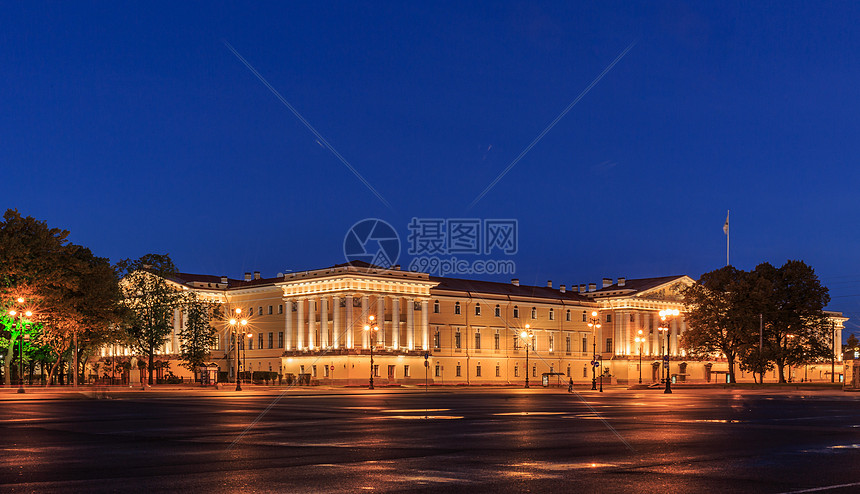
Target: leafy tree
(30, 254)
(151, 299)
(198, 335)
(798, 330)
(721, 314)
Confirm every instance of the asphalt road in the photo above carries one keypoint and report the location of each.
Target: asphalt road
(500, 440)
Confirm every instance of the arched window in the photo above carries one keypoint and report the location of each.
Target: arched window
(477, 309)
(516, 311)
(457, 308)
(534, 312)
(436, 307)
(551, 315)
(498, 312)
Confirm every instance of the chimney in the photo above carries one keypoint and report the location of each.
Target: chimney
(515, 281)
(397, 267)
(592, 287)
(562, 288)
(582, 288)
(247, 276)
(280, 275)
(549, 283)
(256, 275)
(607, 282)
(622, 281)
(224, 280)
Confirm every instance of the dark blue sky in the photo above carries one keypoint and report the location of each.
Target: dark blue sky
(135, 127)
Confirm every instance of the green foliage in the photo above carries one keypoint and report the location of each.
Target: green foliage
(150, 298)
(198, 335)
(764, 318)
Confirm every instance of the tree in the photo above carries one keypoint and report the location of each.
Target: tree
(720, 312)
(198, 335)
(30, 261)
(151, 299)
(852, 342)
(797, 329)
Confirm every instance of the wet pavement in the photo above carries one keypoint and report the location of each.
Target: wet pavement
(477, 440)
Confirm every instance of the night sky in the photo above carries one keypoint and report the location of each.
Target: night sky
(135, 127)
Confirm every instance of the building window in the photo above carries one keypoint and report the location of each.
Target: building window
(478, 370)
(608, 345)
(567, 316)
(260, 341)
(376, 370)
(534, 371)
(280, 339)
(250, 311)
(498, 370)
(458, 369)
(314, 370)
(457, 339)
(568, 370)
(584, 317)
(516, 312)
(477, 339)
(271, 340)
(516, 371)
(438, 370)
(498, 311)
(406, 371)
(477, 309)
(436, 307)
(608, 317)
(585, 344)
(516, 342)
(631, 317)
(584, 371)
(270, 310)
(496, 340)
(551, 315)
(437, 339)
(325, 371)
(457, 308)
(280, 308)
(260, 310)
(250, 343)
(534, 312)
(551, 347)
(567, 343)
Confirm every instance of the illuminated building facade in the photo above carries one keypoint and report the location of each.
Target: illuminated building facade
(312, 324)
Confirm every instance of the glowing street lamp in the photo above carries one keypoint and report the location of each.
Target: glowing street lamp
(594, 325)
(527, 335)
(235, 324)
(640, 339)
(24, 319)
(373, 329)
(664, 314)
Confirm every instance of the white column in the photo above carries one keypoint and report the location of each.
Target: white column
(177, 327)
(683, 330)
(312, 322)
(288, 324)
(324, 339)
(336, 331)
(365, 306)
(425, 326)
(654, 320)
(300, 325)
(380, 316)
(674, 330)
(410, 324)
(350, 334)
(395, 323)
(637, 325)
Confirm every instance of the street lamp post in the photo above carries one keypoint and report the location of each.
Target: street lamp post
(235, 323)
(640, 339)
(528, 336)
(664, 314)
(372, 328)
(21, 315)
(594, 325)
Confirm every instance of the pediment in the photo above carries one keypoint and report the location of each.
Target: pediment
(668, 291)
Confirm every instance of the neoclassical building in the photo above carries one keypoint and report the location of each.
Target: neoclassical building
(451, 331)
